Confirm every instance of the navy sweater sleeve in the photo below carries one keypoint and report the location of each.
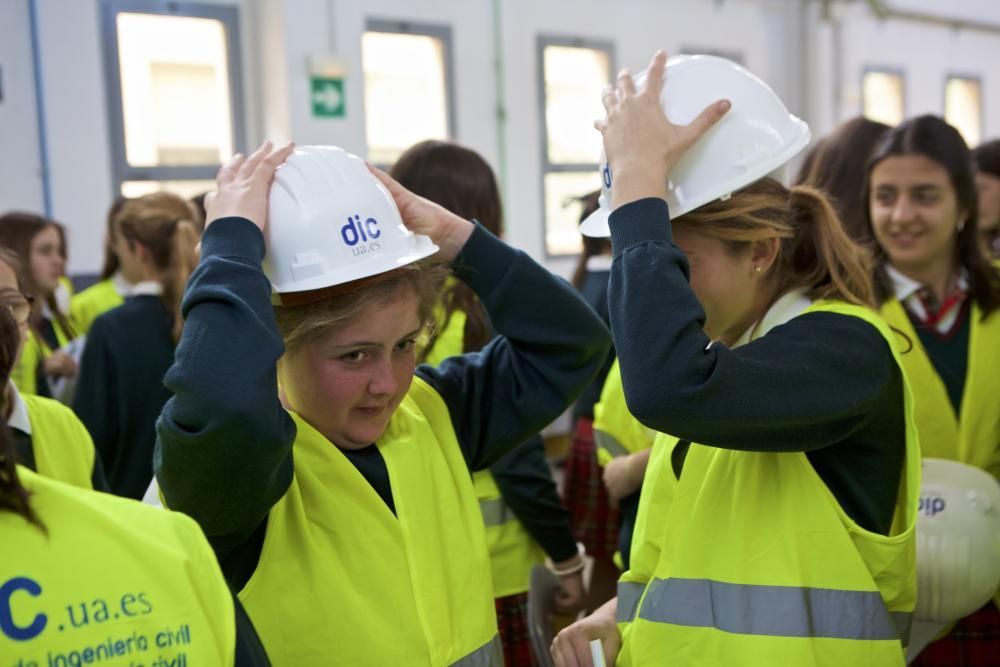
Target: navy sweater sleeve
(224, 442)
(551, 344)
(528, 489)
(805, 385)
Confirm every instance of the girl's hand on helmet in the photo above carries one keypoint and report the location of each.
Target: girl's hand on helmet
(243, 183)
(448, 231)
(571, 647)
(640, 142)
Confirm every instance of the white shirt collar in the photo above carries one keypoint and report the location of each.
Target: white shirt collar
(904, 287)
(788, 306)
(147, 288)
(122, 286)
(19, 411)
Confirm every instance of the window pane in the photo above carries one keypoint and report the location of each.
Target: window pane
(562, 210)
(405, 92)
(175, 90)
(574, 78)
(962, 107)
(186, 189)
(882, 93)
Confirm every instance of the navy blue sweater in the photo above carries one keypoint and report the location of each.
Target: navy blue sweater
(824, 384)
(224, 442)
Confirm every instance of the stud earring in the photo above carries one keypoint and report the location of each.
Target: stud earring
(756, 269)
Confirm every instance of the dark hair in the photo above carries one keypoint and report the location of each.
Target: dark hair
(13, 496)
(591, 246)
(933, 138)
(838, 169)
(17, 231)
(460, 180)
(111, 262)
(198, 201)
(987, 157)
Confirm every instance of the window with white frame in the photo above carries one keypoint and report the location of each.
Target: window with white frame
(175, 93)
(963, 107)
(407, 72)
(573, 73)
(883, 96)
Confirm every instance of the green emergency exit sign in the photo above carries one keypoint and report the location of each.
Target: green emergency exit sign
(327, 97)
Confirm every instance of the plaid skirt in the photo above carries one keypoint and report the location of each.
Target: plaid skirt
(974, 642)
(595, 522)
(512, 622)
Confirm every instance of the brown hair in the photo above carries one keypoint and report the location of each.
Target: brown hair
(163, 223)
(17, 231)
(303, 324)
(13, 496)
(460, 180)
(933, 138)
(815, 252)
(838, 169)
(111, 262)
(592, 247)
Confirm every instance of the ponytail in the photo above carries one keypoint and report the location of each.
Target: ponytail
(179, 268)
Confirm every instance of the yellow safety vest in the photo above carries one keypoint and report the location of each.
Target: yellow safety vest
(450, 338)
(513, 552)
(34, 352)
(616, 431)
(748, 559)
(109, 582)
(343, 581)
(973, 437)
(63, 448)
(96, 300)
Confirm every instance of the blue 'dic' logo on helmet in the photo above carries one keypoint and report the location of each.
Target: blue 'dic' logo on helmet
(358, 231)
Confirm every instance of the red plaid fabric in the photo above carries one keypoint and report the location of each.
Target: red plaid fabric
(595, 522)
(512, 621)
(974, 642)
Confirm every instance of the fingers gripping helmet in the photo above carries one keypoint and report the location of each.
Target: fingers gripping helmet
(756, 138)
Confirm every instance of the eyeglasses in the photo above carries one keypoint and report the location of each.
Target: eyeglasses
(19, 304)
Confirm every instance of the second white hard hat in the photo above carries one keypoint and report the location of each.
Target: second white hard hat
(330, 221)
(756, 138)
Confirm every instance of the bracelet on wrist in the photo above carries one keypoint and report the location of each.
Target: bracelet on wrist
(570, 569)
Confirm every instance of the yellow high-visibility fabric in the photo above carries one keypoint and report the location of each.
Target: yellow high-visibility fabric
(616, 431)
(513, 552)
(748, 559)
(109, 581)
(973, 437)
(92, 302)
(63, 448)
(341, 580)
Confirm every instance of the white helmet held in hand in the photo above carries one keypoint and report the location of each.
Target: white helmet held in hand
(330, 221)
(756, 138)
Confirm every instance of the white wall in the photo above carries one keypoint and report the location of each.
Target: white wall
(783, 41)
(20, 164)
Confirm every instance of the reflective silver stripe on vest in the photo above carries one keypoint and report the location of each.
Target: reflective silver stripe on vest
(629, 594)
(489, 654)
(495, 512)
(608, 442)
(779, 611)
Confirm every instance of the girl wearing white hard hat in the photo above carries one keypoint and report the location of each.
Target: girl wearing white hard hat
(936, 285)
(345, 513)
(776, 521)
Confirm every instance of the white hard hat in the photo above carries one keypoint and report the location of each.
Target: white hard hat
(330, 221)
(756, 138)
(958, 541)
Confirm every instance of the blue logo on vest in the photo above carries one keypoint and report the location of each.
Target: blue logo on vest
(356, 231)
(7, 626)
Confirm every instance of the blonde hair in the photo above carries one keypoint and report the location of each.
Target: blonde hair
(165, 225)
(815, 252)
(302, 324)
